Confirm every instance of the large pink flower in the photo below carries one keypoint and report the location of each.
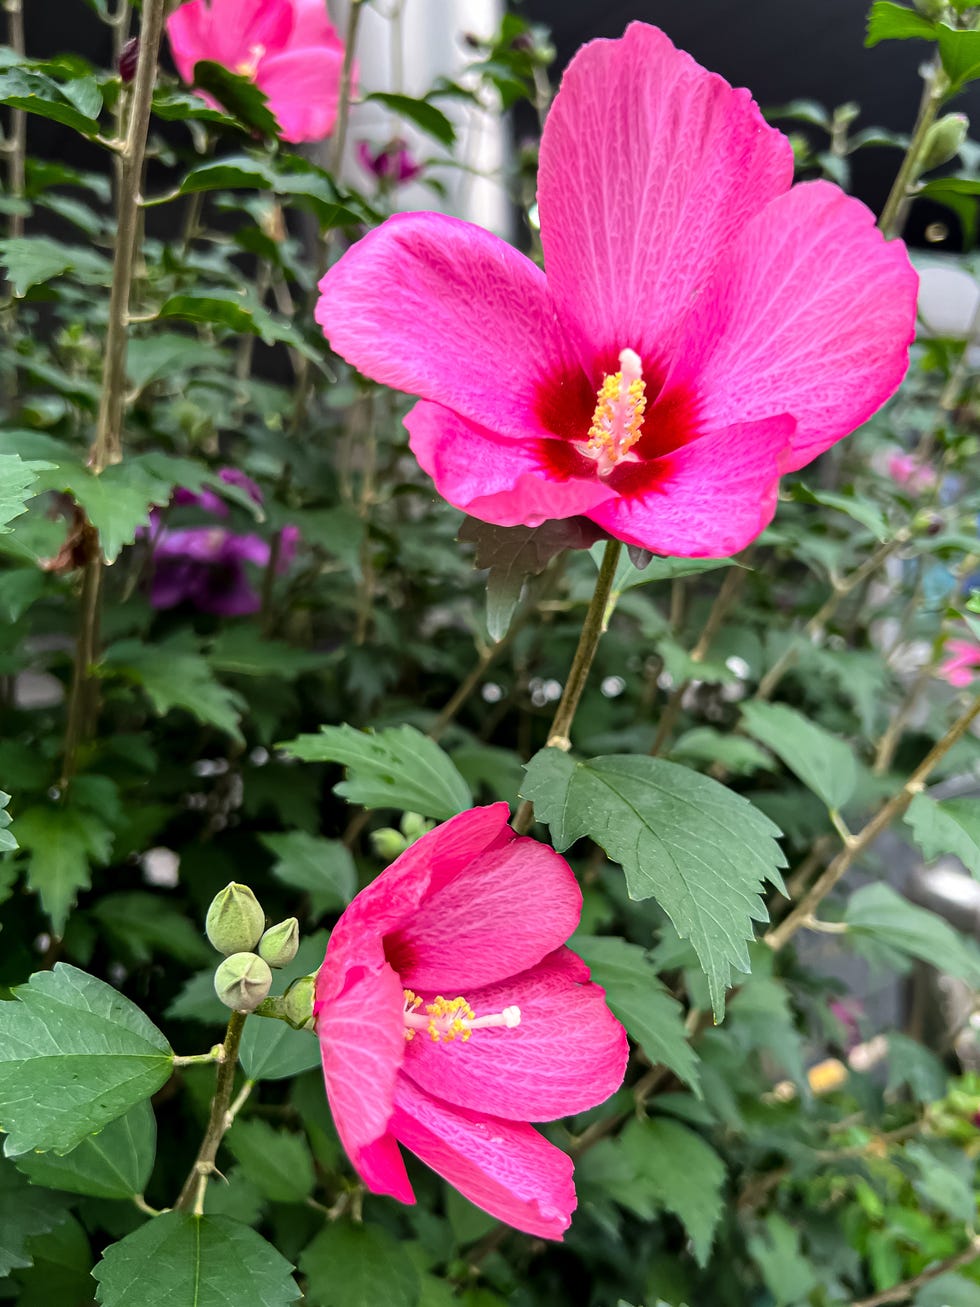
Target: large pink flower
(287, 47)
(450, 1015)
(702, 328)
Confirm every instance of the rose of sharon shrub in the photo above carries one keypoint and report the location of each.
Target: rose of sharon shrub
(450, 1014)
(701, 328)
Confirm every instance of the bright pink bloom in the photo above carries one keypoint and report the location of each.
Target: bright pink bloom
(905, 470)
(960, 667)
(702, 327)
(287, 47)
(472, 914)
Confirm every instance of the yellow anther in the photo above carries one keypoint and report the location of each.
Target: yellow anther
(617, 422)
(447, 1019)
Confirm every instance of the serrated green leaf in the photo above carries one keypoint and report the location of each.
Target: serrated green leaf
(878, 912)
(359, 1266)
(273, 1050)
(74, 1055)
(17, 482)
(702, 851)
(324, 869)
(24, 1212)
(32, 260)
(705, 746)
(116, 1163)
(775, 1249)
(396, 767)
(207, 1261)
(61, 842)
(277, 1162)
(960, 53)
(242, 651)
(23, 88)
(894, 22)
(143, 924)
(173, 676)
(651, 1016)
(949, 826)
(238, 94)
(824, 763)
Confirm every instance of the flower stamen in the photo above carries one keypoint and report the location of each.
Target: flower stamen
(447, 1019)
(249, 67)
(618, 418)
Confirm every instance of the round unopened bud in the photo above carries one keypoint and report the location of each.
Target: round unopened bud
(943, 140)
(235, 920)
(297, 1002)
(388, 843)
(129, 58)
(243, 981)
(414, 826)
(279, 943)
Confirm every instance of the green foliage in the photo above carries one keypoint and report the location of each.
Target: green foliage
(359, 1266)
(116, 1163)
(323, 869)
(172, 676)
(882, 917)
(276, 1162)
(24, 1211)
(947, 826)
(61, 843)
(823, 763)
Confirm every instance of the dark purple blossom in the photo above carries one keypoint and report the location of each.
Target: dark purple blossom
(392, 163)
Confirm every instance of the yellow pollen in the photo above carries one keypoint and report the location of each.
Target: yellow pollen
(618, 418)
(447, 1019)
(248, 67)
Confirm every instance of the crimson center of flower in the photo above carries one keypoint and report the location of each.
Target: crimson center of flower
(618, 418)
(248, 67)
(445, 1019)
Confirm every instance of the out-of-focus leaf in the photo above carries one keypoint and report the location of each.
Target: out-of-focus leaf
(947, 826)
(824, 763)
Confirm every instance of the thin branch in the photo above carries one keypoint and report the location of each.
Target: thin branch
(346, 84)
(908, 1288)
(892, 218)
(191, 1198)
(16, 146)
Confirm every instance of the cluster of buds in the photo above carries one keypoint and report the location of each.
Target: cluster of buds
(235, 925)
(390, 844)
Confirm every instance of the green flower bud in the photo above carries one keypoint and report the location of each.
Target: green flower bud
(943, 140)
(243, 981)
(235, 920)
(297, 1003)
(414, 826)
(388, 843)
(279, 943)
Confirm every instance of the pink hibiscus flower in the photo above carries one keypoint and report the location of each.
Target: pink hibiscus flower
(449, 1015)
(905, 470)
(287, 47)
(702, 327)
(961, 666)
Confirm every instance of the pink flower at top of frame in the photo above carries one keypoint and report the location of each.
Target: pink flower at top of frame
(961, 666)
(450, 1015)
(287, 47)
(701, 326)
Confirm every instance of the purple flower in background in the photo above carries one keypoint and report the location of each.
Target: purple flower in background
(392, 163)
(848, 1012)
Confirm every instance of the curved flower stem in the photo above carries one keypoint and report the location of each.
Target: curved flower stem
(892, 218)
(191, 1198)
(596, 621)
(855, 845)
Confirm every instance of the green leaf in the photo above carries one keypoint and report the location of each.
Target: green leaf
(61, 1270)
(882, 915)
(75, 1054)
(324, 869)
(273, 1050)
(24, 1212)
(242, 651)
(142, 925)
(824, 763)
(7, 841)
(892, 22)
(911, 1065)
(22, 88)
(959, 194)
(776, 1250)
(651, 1016)
(397, 767)
(173, 676)
(859, 509)
(426, 117)
(947, 1291)
(359, 1266)
(960, 53)
(949, 826)
(277, 1162)
(657, 569)
(238, 94)
(701, 850)
(113, 1164)
(944, 1179)
(180, 1260)
(503, 595)
(238, 311)
(17, 479)
(32, 260)
(704, 746)
(61, 842)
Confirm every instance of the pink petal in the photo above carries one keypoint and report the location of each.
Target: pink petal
(362, 1045)
(499, 915)
(382, 1168)
(811, 312)
(505, 1167)
(649, 167)
(303, 87)
(311, 26)
(446, 311)
(393, 899)
(492, 478)
(226, 31)
(568, 1053)
(710, 498)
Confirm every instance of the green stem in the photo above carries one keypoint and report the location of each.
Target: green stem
(16, 145)
(191, 1198)
(346, 84)
(892, 218)
(596, 621)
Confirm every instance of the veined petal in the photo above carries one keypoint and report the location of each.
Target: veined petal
(650, 165)
(311, 26)
(505, 1167)
(811, 312)
(226, 31)
(382, 1168)
(502, 913)
(303, 87)
(446, 311)
(708, 498)
(492, 478)
(568, 1053)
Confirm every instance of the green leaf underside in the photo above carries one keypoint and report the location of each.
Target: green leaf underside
(113, 1164)
(396, 767)
(359, 1266)
(950, 826)
(180, 1260)
(882, 914)
(74, 1055)
(702, 851)
(823, 763)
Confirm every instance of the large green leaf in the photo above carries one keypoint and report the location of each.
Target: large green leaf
(277, 1162)
(180, 1260)
(115, 1163)
(882, 915)
(651, 1016)
(71, 103)
(426, 117)
(397, 767)
(359, 1266)
(893, 22)
(61, 842)
(960, 53)
(823, 763)
(324, 869)
(24, 1211)
(702, 851)
(947, 826)
(174, 676)
(75, 1054)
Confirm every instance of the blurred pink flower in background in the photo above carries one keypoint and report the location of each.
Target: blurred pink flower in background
(961, 666)
(702, 328)
(287, 47)
(470, 908)
(906, 470)
(392, 163)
